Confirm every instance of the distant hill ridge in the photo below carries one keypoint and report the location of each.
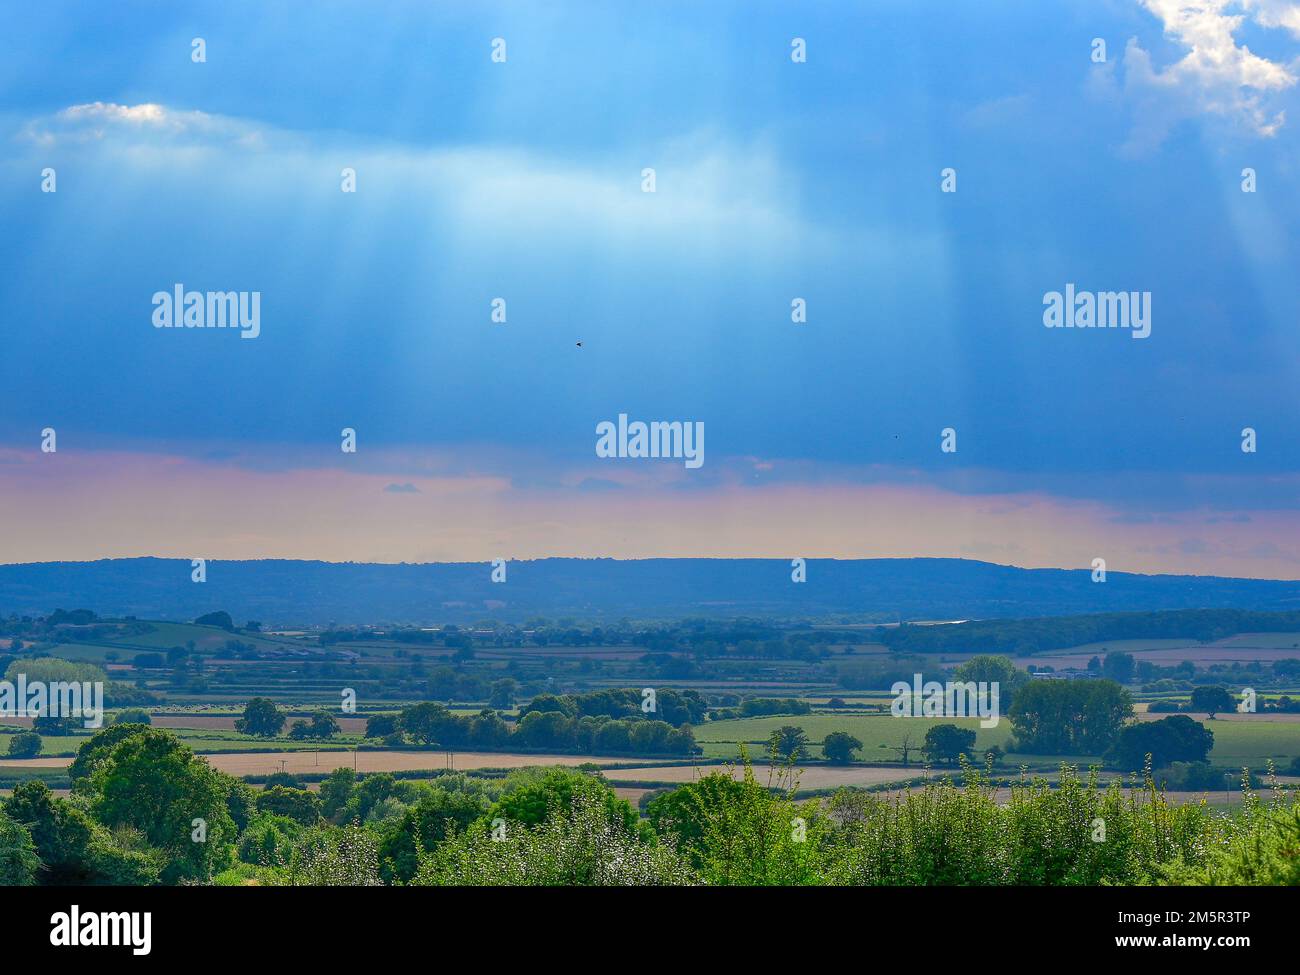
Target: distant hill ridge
(281, 591)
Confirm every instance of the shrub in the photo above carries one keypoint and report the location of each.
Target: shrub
(269, 840)
(1265, 851)
(334, 856)
(296, 804)
(581, 846)
(18, 862)
(25, 744)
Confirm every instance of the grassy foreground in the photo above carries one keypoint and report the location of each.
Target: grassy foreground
(144, 809)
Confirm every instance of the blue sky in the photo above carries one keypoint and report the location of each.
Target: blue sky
(774, 180)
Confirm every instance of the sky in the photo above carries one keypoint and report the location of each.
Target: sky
(523, 179)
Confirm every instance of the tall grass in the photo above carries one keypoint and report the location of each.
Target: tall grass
(1076, 833)
(733, 830)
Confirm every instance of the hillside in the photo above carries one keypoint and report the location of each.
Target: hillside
(285, 592)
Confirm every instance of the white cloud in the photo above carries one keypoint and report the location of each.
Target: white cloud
(1217, 76)
(734, 197)
(148, 113)
(96, 121)
(1275, 13)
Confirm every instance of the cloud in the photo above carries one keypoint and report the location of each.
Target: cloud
(401, 489)
(149, 121)
(148, 113)
(1275, 13)
(85, 504)
(1217, 76)
(733, 193)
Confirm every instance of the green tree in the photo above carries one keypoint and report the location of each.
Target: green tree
(682, 815)
(993, 669)
(544, 703)
(1176, 738)
(788, 743)
(1119, 667)
(25, 744)
(839, 746)
(373, 791)
(54, 725)
(73, 848)
(1212, 700)
(947, 742)
(487, 730)
(532, 797)
(220, 618)
(153, 783)
(61, 832)
(336, 790)
(425, 722)
(241, 801)
(437, 814)
(299, 805)
(324, 725)
(321, 726)
(18, 861)
(100, 745)
(52, 669)
(261, 718)
(286, 779)
(1106, 706)
(381, 725)
(503, 693)
(133, 716)
(758, 837)
(1069, 717)
(269, 840)
(547, 730)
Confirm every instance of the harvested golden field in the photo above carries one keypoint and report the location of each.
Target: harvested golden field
(264, 763)
(209, 722)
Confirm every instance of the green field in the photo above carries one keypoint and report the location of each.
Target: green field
(1235, 742)
(53, 745)
(201, 740)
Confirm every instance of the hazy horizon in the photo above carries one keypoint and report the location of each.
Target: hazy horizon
(782, 559)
